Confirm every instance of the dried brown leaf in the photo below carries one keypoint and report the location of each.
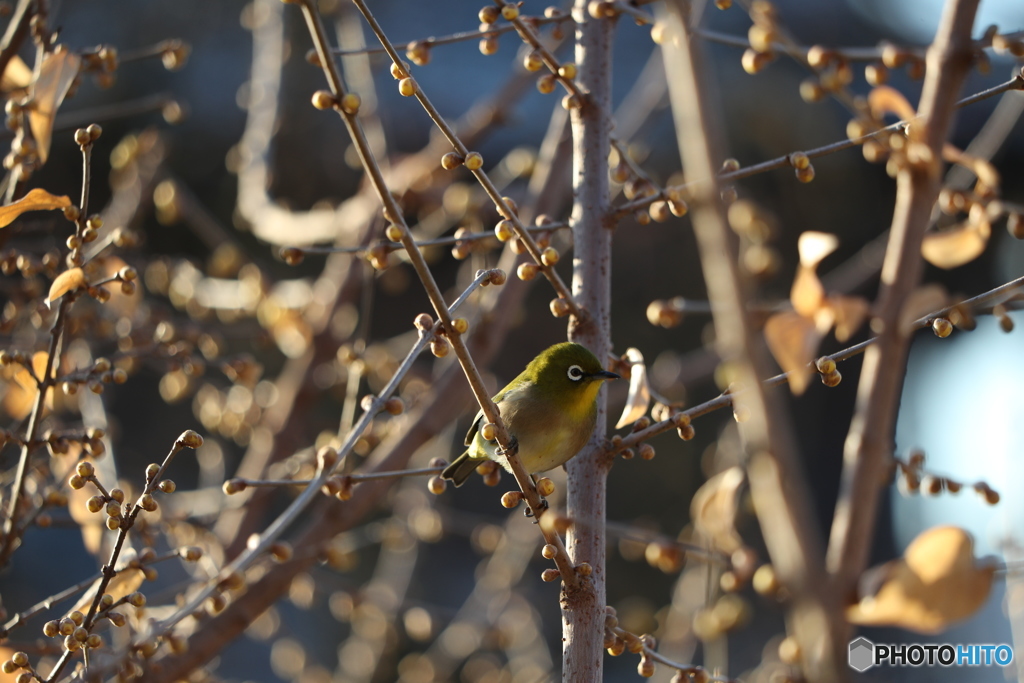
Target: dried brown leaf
(849, 312)
(16, 76)
(34, 200)
(937, 582)
(952, 248)
(814, 246)
(887, 100)
(714, 507)
(807, 294)
(124, 582)
(67, 281)
(793, 339)
(639, 397)
(56, 75)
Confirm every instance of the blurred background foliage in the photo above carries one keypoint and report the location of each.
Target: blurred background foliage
(763, 116)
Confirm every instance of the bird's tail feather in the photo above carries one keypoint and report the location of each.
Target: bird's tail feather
(458, 472)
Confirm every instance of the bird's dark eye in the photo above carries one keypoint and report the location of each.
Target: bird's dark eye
(575, 373)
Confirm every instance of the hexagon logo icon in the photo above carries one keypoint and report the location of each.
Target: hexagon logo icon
(862, 654)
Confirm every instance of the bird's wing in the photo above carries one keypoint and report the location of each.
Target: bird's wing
(473, 428)
(511, 388)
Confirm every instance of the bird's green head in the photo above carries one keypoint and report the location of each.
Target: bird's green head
(568, 370)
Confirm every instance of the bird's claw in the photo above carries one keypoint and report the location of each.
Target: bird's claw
(513, 447)
(543, 506)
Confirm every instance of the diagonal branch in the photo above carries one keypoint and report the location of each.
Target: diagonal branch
(778, 487)
(870, 440)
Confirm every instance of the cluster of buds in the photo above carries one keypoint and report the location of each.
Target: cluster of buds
(915, 479)
(756, 230)
(103, 62)
(828, 372)
(762, 36)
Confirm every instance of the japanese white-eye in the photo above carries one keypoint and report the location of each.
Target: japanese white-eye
(549, 410)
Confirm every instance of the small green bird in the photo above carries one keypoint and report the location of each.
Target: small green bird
(549, 410)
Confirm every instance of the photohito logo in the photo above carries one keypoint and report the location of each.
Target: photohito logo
(864, 654)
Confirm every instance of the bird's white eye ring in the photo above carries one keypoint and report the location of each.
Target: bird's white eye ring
(575, 373)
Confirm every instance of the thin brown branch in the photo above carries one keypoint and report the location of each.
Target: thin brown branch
(1015, 83)
(777, 484)
(394, 213)
(870, 441)
(462, 36)
(975, 304)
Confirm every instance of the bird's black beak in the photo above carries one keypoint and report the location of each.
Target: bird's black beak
(605, 374)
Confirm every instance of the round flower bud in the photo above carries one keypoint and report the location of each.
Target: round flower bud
(488, 431)
(424, 322)
(436, 485)
(549, 256)
(474, 161)
(550, 574)
(85, 469)
(504, 230)
(232, 486)
(559, 307)
(323, 99)
(488, 15)
(832, 379)
(407, 87)
(533, 62)
(825, 365)
(546, 84)
(190, 439)
(805, 175)
(350, 103)
(545, 486)
(527, 271)
(439, 347)
(511, 499)
(393, 233)
(451, 161)
(488, 46)
(942, 327)
(567, 71)
(167, 486)
(510, 12)
(548, 551)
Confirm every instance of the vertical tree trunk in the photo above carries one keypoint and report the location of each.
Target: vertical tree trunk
(583, 610)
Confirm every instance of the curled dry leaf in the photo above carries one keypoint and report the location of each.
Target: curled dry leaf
(988, 176)
(807, 293)
(953, 248)
(793, 339)
(814, 246)
(35, 200)
(17, 75)
(887, 100)
(793, 336)
(124, 582)
(714, 509)
(21, 391)
(68, 281)
(849, 312)
(936, 582)
(639, 397)
(56, 75)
